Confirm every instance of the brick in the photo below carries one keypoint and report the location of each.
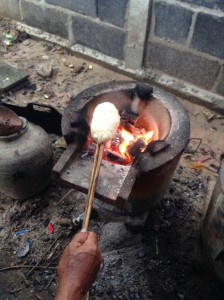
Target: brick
(220, 87)
(214, 4)
(47, 19)
(112, 11)
(208, 35)
(84, 7)
(172, 22)
(106, 39)
(10, 9)
(182, 65)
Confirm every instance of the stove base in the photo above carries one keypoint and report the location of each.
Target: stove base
(116, 214)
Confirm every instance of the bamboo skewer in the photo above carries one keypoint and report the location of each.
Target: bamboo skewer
(92, 186)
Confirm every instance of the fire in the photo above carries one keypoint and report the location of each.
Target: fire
(147, 137)
(126, 145)
(128, 138)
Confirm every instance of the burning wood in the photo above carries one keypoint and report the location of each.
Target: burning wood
(124, 146)
(136, 148)
(115, 157)
(133, 142)
(115, 142)
(130, 127)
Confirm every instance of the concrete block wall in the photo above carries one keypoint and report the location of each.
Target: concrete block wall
(151, 39)
(186, 41)
(96, 24)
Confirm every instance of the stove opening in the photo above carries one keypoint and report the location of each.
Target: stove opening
(137, 130)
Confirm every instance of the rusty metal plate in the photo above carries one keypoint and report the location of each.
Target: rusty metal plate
(110, 181)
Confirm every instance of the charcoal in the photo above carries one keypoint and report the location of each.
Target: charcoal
(116, 157)
(128, 116)
(129, 127)
(136, 148)
(116, 141)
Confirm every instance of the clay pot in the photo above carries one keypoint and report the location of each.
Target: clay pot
(26, 161)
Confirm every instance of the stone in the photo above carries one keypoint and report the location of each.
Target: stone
(100, 37)
(208, 35)
(116, 235)
(47, 19)
(44, 70)
(182, 65)
(167, 16)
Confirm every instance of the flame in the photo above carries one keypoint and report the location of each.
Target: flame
(125, 144)
(147, 137)
(129, 138)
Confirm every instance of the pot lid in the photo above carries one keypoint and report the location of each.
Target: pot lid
(10, 122)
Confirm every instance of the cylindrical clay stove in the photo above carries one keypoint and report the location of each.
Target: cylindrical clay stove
(126, 189)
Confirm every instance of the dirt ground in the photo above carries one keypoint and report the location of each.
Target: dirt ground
(162, 260)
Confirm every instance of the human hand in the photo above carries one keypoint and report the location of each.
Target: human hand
(78, 266)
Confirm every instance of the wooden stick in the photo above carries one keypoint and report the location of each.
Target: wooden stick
(65, 196)
(87, 297)
(92, 186)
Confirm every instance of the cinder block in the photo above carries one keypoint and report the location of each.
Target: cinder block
(172, 22)
(220, 87)
(208, 35)
(84, 7)
(112, 11)
(10, 9)
(99, 36)
(47, 19)
(215, 4)
(183, 65)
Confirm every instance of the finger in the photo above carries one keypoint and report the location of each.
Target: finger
(92, 238)
(79, 239)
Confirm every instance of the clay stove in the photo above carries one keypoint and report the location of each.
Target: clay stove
(125, 189)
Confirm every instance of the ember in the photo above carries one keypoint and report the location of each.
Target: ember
(127, 144)
(124, 146)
